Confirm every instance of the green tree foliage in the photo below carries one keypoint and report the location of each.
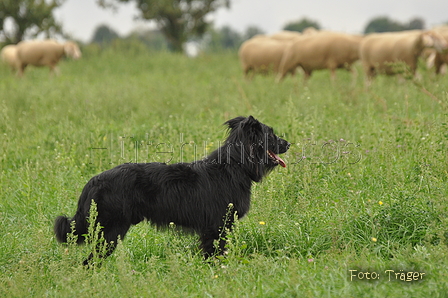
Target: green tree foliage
(416, 23)
(382, 24)
(152, 39)
(385, 24)
(178, 20)
(251, 31)
(104, 34)
(224, 38)
(227, 38)
(301, 24)
(29, 18)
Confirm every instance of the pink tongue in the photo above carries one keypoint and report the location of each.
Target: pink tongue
(280, 161)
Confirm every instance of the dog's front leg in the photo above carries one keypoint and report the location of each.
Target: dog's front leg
(101, 252)
(208, 240)
(111, 233)
(208, 244)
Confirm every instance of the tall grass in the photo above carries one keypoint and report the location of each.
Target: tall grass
(365, 187)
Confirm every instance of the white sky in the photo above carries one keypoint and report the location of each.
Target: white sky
(81, 17)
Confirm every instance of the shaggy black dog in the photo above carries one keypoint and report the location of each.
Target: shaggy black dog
(196, 195)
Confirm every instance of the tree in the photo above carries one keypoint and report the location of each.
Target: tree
(104, 34)
(416, 23)
(152, 39)
(382, 24)
(301, 24)
(224, 38)
(29, 18)
(230, 39)
(178, 20)
(385, 24)
(251, 31)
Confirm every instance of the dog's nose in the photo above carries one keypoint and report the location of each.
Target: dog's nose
(288, 145)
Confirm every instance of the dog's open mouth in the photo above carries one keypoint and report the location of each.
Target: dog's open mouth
(276, 158)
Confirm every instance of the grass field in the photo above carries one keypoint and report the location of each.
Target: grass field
(364, 194)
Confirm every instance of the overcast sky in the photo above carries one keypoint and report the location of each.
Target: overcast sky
(81, 17)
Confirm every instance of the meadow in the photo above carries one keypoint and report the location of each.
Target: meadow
(359, 211)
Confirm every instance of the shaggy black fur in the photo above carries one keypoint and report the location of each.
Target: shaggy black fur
(193, 195)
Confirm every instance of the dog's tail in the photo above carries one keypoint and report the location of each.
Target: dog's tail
(78, 224)
(63, 227)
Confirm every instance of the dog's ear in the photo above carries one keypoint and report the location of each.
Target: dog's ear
(235, 122)
(252, 124)
(249, 124)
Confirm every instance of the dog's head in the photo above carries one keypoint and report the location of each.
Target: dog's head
(254, 146)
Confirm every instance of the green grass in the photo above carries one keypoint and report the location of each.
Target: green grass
(365, 187)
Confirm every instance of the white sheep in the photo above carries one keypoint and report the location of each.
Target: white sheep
(261, 54)
(320, 50)
(285, 35)
(380, 51)
(435, 58)
(44, 53)
(9, 56)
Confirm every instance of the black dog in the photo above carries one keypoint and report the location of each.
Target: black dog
(195, 195)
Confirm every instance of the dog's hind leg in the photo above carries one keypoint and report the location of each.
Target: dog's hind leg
(111, 234)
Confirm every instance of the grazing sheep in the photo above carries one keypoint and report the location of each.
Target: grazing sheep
(285, 35)
(44, 53)
(310, 30)
(261, 54)
(320, 50)
(9, 56)
(435, 58)
(379, 51)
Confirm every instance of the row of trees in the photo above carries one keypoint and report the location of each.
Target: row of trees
(378, 24)
(105, 36)
(213, 40)
(226, 38)
(178, 20)
(385, 24)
